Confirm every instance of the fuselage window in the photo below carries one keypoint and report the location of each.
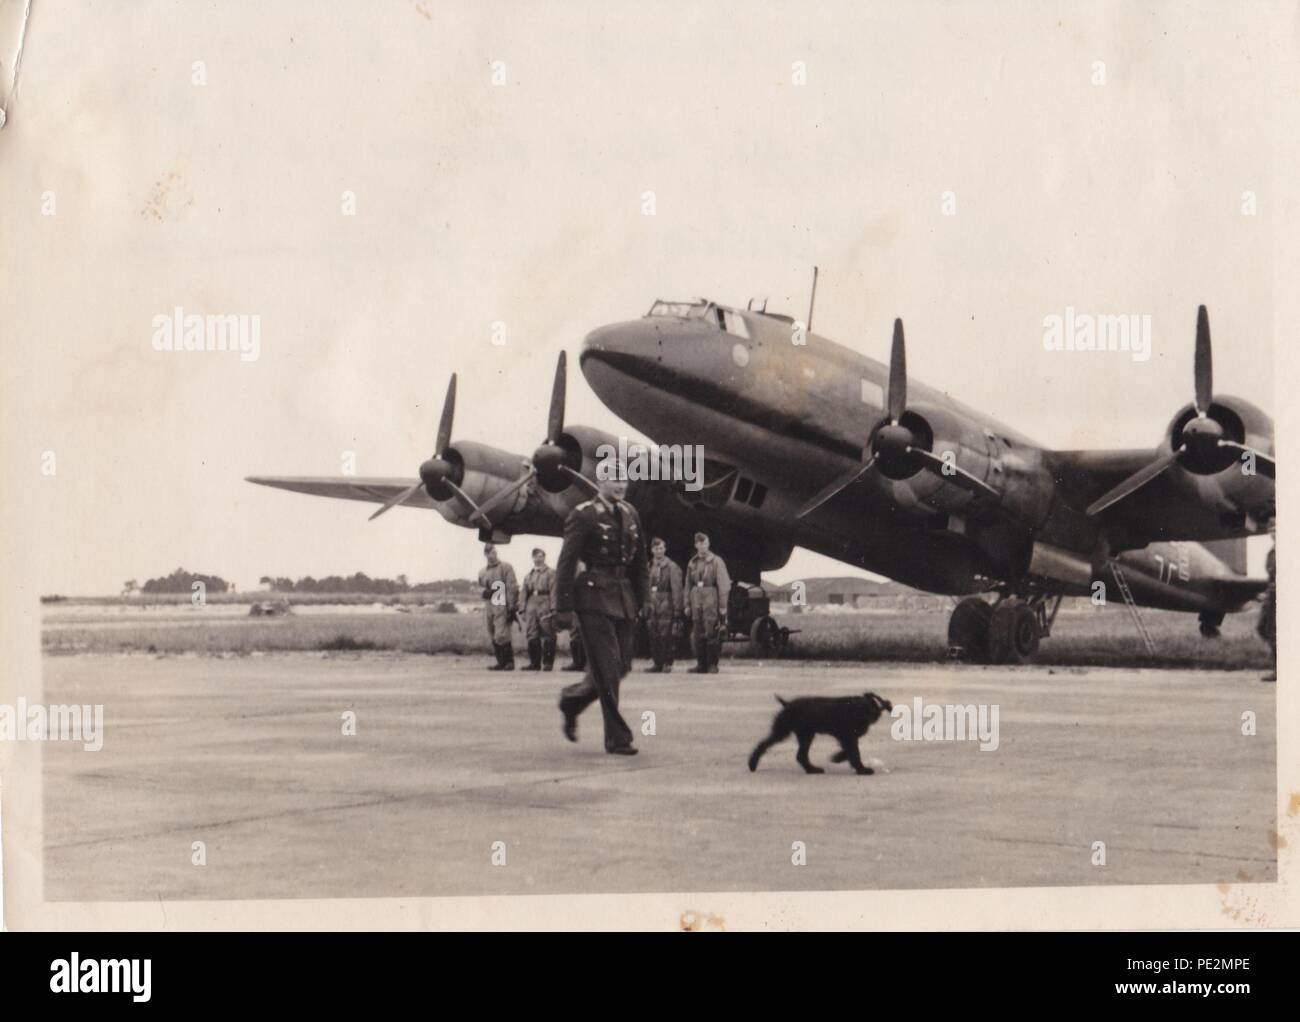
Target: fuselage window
(760, 494)
(743, 489)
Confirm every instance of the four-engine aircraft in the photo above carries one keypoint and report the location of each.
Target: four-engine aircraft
(811, 444)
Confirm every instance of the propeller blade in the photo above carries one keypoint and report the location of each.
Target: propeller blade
(555, 420)
(897, 374)
(501, 496)
(954, 473)
(1265, 464)
(1204, 368)
(467, 502)
(581, 480)
(1135, 482)
(834, 487)
(448, 413)
(401, 498)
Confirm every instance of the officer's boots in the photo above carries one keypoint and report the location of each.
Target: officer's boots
(715, 651)
(548, 654)
(501, 661)
(578, 654)
(534, 655)
(701, 661)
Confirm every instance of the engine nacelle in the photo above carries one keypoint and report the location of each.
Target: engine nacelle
(1016, 473)
(950, 437)
(1222, 478)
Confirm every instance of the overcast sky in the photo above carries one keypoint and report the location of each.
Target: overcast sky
(522, 203)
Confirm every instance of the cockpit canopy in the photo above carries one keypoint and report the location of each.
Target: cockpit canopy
(697, 308)
(692, 309)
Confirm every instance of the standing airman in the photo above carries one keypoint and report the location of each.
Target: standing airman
(666, 607)
(1267, 626)
(707, 584)
(606, 534)
(539, 614)
(500, 605)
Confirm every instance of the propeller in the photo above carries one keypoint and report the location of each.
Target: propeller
(440, 473)
(551, 464)
(1200, 446)
(900, 445)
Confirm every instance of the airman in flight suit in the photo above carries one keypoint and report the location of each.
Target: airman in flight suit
(666, 607)
(500, 605)
(539, 614)
(707, 586)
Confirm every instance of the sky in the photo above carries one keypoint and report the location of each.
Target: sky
(198, 156)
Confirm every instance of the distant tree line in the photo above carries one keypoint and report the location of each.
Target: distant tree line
(180, 581)
(363, 583)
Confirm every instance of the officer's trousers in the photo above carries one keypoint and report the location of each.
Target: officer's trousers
(607, 642)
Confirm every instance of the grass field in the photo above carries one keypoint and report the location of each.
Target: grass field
(1094, 637)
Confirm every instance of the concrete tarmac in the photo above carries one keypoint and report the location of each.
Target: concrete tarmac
(248, 756)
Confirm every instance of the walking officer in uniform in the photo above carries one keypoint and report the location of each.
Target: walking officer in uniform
(605, 533)
(539, 614)
(707, 584)
(500, 605)
(666, 607)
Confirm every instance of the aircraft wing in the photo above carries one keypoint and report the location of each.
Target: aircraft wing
(371, 490)
(1161, 510)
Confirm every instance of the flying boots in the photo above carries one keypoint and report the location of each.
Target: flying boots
(534, 655)
(548, 653)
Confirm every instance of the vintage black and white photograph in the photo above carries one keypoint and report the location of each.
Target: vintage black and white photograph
(707, 451)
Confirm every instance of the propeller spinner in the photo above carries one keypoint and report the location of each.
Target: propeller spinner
(900, 445)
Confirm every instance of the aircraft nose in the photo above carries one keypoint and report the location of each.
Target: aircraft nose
(621, 346)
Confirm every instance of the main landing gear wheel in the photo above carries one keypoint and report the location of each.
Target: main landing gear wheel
(968, 629)
(1013, 632)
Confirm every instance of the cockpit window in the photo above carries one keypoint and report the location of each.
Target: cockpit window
(680, 310)
(721, 317)
(733, 323)
(697, 308)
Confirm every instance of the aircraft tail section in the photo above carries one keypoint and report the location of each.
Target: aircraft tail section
(1231, 552)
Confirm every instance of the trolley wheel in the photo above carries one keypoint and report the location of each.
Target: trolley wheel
(765, 634)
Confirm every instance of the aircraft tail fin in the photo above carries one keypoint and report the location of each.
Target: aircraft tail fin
(1231, 552)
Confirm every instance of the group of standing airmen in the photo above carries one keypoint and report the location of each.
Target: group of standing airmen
(697, 598)
(501, 596)
(602, 585)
